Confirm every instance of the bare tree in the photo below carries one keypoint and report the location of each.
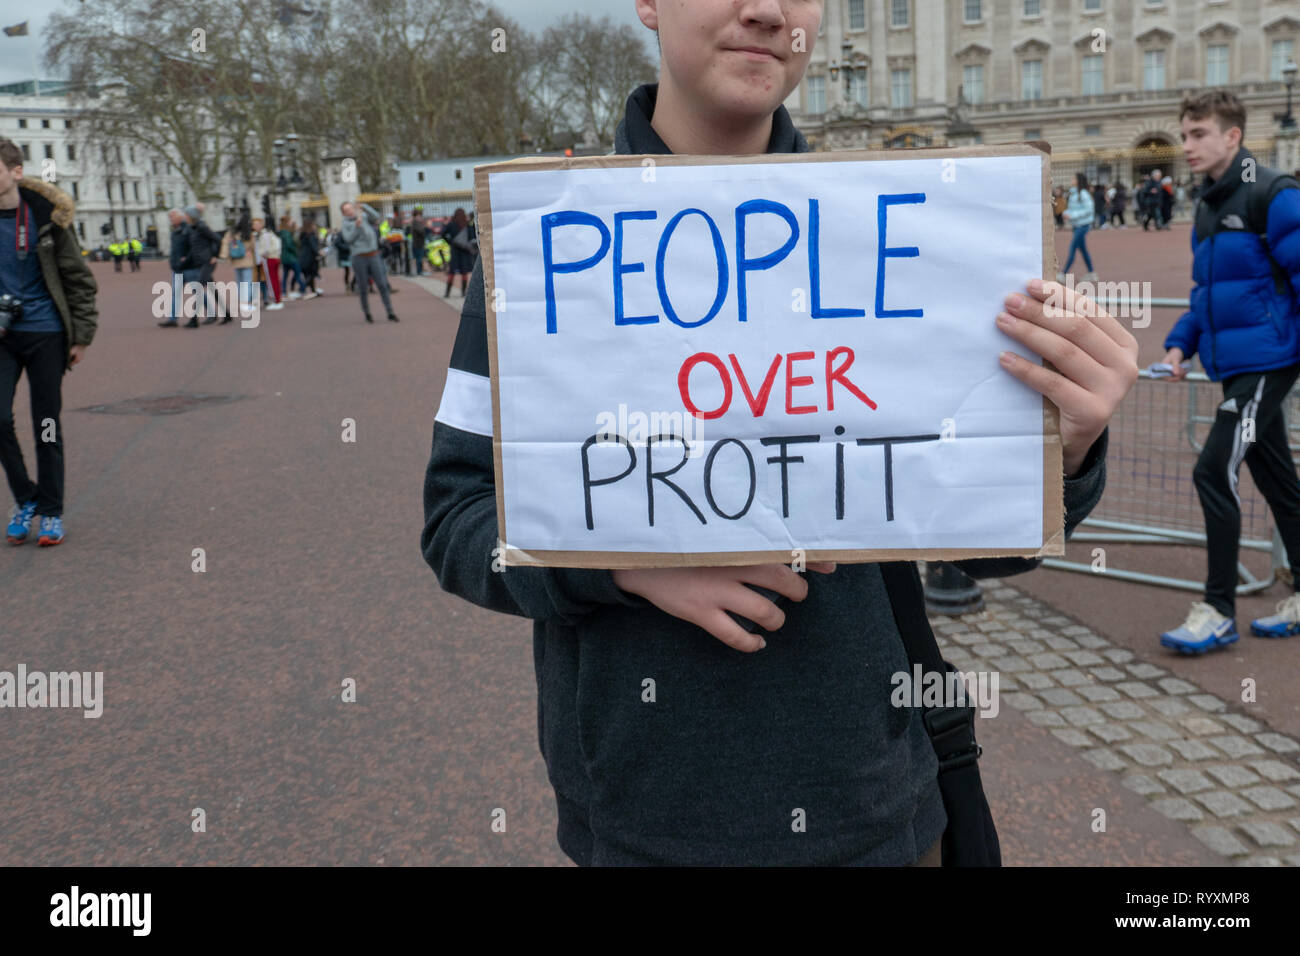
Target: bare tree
(598, 64)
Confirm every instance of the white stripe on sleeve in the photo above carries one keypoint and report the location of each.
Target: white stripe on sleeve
(467, 402)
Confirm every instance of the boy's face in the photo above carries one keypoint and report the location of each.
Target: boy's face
(1206, 146)
(736, 56)
(9, 176)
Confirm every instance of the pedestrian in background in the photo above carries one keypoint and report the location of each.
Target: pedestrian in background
(419, 235)
(133, 250)
(1079, 211)
(204, 246)
(463, 239)
(267, 244)
(237, 246)
(309, 257)
(289, 260)
(361, 232)
(179, 260)
(41, 267)
(1118, 204)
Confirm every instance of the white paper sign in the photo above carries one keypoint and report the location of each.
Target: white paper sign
(762, 357)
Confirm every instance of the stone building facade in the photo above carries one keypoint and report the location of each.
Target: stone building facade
(1100, 80)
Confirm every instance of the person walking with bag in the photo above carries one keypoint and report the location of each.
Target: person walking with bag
(463, 239)
(237, 246)
(1079, 211)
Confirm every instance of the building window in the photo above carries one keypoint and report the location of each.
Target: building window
(121, 188)
(858, 87)
(1033, 8)
(49, 150)
(1153, 70)
(72, 151)
(1216, 64)
(900, 89)
(1091, 6)
(108, 190)
(1031, 80)
(1092, 130)
(972, 11)
(27, 151)
(419, 176)
(816, 95)
(1282, 52)
(45, 124)
(857, 14)
(76, 194)
(81, 231)
(138, 231)
(22, 123)
(1033, 133)
(459, 172)
(972, 83)
(898, 13)
(135, 191)
(67, 124)
(1094, 77)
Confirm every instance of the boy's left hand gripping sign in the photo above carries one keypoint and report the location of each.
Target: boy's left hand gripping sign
(737, 361)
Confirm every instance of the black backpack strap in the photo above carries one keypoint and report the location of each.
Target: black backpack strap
(971, 838)
(952, 729)
(1268, 184)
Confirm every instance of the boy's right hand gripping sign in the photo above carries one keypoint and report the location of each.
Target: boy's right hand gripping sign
(737, 360)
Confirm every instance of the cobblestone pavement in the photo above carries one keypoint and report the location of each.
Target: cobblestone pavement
(1196, 757)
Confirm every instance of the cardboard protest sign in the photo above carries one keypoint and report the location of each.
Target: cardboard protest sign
(736, 360)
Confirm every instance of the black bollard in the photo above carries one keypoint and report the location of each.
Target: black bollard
(950, 590)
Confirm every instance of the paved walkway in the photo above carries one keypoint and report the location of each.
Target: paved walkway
(1197, 758)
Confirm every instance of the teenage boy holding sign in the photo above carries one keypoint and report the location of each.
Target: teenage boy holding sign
(736, 745)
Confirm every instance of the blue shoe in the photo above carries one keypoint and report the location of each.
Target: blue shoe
(20, 525)
(51, 531)
(1204, 630)
(1282, 624)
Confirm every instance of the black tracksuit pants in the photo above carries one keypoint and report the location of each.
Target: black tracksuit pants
(44, 357)
(1249, 397)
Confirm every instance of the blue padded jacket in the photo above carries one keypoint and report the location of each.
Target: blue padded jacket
(1245, 306)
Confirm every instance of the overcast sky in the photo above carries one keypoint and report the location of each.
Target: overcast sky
(16, 52)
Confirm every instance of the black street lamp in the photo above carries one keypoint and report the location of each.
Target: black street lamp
(849, 67)
(1288, 76)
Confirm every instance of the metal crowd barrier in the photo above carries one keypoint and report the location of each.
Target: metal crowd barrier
(1150, 497)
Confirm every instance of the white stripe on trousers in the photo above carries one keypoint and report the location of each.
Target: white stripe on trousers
(1239, 448)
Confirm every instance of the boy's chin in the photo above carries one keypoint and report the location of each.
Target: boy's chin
(748, 99)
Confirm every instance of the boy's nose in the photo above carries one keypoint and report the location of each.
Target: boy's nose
(766, 13)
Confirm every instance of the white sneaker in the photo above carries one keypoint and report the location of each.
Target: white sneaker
(1282, 624)
(1204, 630)
(295, 295)
(1091, 277)
(274, 305)
(310, 295)
(1060, 277)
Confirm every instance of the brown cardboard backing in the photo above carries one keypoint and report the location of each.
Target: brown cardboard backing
(1053, 488)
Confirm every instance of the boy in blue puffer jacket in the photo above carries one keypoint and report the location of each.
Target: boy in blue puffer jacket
(1245, 323)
